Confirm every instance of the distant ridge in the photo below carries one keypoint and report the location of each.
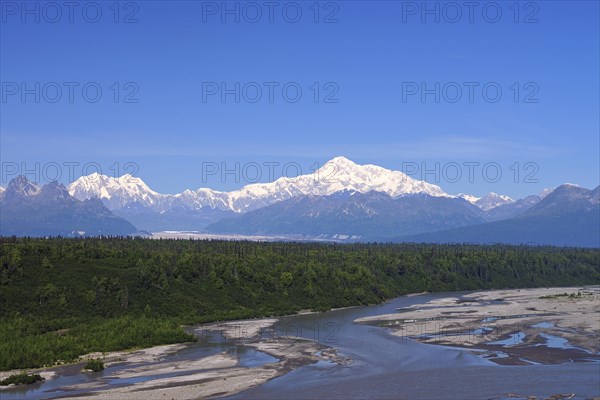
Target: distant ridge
(27, 209)
(568, 216)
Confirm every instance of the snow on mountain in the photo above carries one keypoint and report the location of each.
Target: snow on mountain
(492, 200)
(487, 202)
(545, 192)
(129, 191)
(468, 197)
(201, 198)
(342, 174)
(116, 192)
(336, 175)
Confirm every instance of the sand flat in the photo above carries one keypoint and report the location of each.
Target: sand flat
(516, 321)
(211, 376)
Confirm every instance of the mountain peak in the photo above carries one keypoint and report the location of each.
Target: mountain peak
(568, 189)
(341, 161)
(21, 186)
(340, 173)
(566, 198)
(567, 184)
(494, 194)
(55, 190)
(492, 200)
(117, 192)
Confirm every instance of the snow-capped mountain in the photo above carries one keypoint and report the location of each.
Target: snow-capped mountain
(49, 210)
(132, 199)
(115, 192)
(128, 191)
(334, 176)
(492, 200)
(20, 187)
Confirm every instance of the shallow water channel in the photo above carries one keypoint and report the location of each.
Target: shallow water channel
(382, 366)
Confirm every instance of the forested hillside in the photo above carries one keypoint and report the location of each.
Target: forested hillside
(60, 298)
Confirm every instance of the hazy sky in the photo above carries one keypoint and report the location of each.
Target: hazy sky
(185, 89)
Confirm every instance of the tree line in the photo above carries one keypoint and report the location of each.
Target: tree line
(61, 297)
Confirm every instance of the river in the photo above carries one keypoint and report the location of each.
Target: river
(383, 366)
(391, 367)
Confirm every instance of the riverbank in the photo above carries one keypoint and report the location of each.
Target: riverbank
(132, 356)
(517, 326)
(153, 374)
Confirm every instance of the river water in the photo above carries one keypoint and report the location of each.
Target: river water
(383, 366)
(391, 367)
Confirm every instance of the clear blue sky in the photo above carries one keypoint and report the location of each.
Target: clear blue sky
(367, 56)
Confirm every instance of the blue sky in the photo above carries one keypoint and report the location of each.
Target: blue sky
(364, 61)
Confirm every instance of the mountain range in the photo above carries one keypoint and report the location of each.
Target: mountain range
(27, 209)
(132, 199)
(336, 175)
(341, 200)
(568, 216)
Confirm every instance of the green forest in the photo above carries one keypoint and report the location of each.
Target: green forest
(61, 298)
